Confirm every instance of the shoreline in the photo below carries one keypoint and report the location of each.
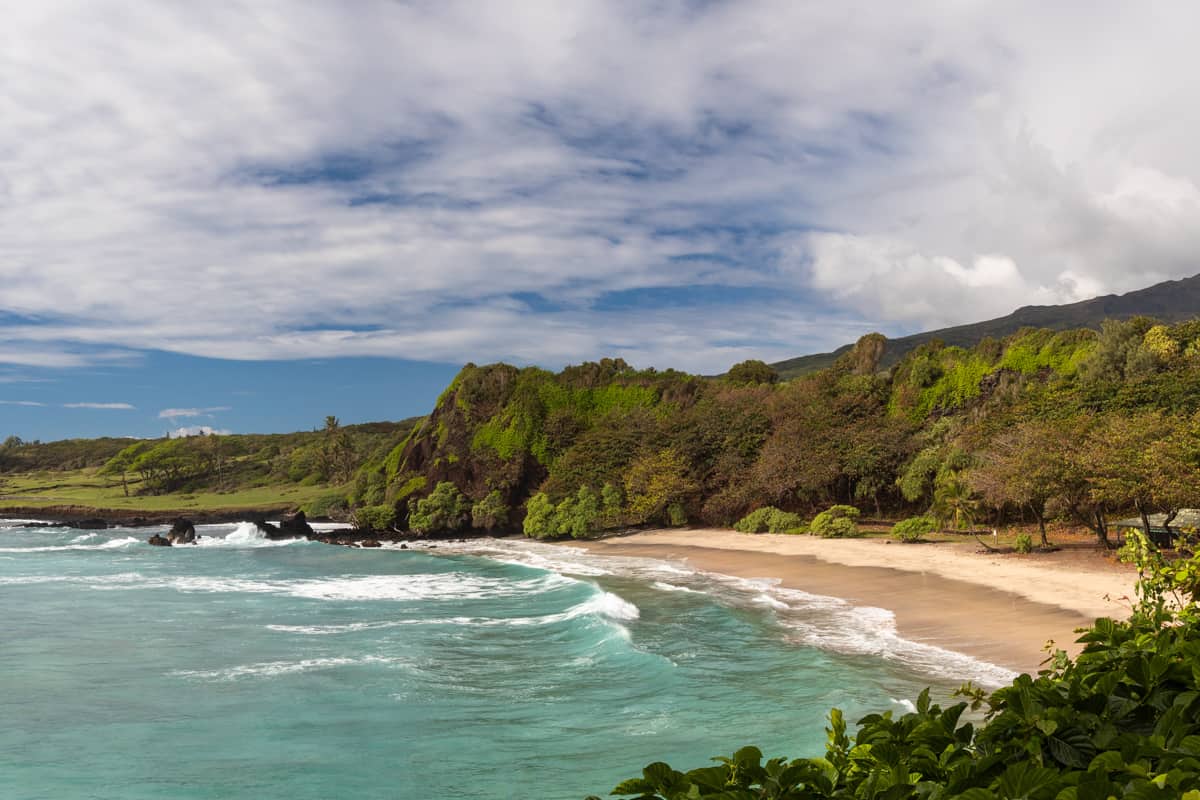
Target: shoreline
(998, 609)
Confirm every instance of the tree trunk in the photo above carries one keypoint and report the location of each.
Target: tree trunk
(1101, 528)
(1145, 517)
(1171, 514)
(1040, 515)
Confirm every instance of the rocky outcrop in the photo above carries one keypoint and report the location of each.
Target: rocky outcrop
(296, 526)
(291, 526)
(159, 540)
(182, 532)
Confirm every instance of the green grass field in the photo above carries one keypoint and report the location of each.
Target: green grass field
(85, 488)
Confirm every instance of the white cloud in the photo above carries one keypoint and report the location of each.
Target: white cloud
(959, 160)
(197, 430)
(102, 406)
(173, 413)
(29, 403)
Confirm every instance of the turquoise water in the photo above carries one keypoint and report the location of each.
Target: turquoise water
(499, 669)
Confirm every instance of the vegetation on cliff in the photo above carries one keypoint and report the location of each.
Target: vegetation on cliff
(1043, 423)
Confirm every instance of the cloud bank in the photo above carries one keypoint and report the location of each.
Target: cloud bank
(678, 183)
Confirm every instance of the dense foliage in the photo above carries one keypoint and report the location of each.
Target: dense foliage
(1081, 425)
(1121, 720)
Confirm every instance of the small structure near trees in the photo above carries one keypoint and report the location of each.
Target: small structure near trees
(1164, 529)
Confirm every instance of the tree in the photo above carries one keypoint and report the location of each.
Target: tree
(1028, 466)
(122, 462)
(954, 501)
(864, 357)
(752, 371)
(1146, 460)
(657, 481)
(490, 513)
(445, 509)
(539, 517)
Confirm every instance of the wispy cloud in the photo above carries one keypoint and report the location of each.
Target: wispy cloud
(466, 181)
(102, 406)
(174, 413)
(30, 403)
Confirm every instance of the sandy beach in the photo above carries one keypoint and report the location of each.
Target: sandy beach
(999, 608)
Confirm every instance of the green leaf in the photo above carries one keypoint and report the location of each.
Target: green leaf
(634, 786)
(1072, 748)
(1023, 779)
(748, 757)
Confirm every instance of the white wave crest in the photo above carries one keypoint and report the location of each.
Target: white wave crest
(820, 621)
(671, 587)
(112, 544)
(609, 605)
(271, 669)
(244, 535)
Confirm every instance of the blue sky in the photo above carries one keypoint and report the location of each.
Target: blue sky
(267, 212)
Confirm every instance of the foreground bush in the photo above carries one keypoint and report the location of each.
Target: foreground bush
(913, 529)
(768, 519)
(836, 522)
(1121, 720)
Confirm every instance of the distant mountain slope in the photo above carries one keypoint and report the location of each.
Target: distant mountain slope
(1170, 301)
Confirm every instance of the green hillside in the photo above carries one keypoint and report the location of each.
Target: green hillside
(314, 469)
(1103, 419)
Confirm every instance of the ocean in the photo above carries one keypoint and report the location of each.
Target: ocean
(244, 668)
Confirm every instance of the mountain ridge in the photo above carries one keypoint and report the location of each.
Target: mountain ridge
(1168, 301)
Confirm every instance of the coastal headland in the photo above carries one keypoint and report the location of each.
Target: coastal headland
(1001, 609)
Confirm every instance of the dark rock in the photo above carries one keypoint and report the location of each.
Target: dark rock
(404, 545)
(291, 526)
(295, 525)
(372, 543)
(182, 532)
(159, 541)
(93, 524)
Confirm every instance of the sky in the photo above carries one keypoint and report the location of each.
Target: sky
(246, 216)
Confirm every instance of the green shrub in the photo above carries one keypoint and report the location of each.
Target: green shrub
(326, 505)
(539, 517)
(769, 519)
(836, 522)
(1023, 543)
(578, 515)
(490, 513)
(755, 521)
(445, 509)
(676, 516)
(378, 517)
(913, 528)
